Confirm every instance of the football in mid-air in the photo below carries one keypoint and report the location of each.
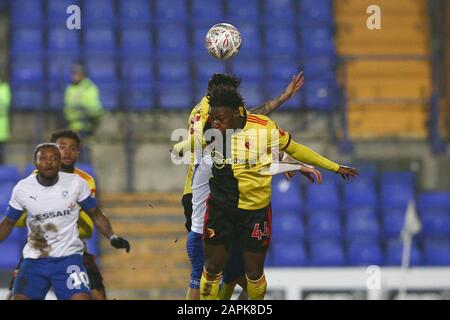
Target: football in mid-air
(223, 41)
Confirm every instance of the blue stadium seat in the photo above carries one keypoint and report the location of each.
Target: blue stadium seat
(19, 235)
(320, 95)
(394, 251)
(253, 93)
(175, 96)
(316, 13)
(433, 200)
(251, 46)
(139, 96)
(93, 244)
(173, 41)
(397, 177)
(173, 70)
(59, 70)
(139, 71)
(135, 13)
(101, 70)
(327, 253)
(175, 11)
(26, 13)
(317, 41)
(136, 42)
(236, 12)
(436, 222)
(27, 97)
(247, 69)
(287, 226)
(362, 223)
(55, 99)
(289, 254)
(437, 251)
(282, 69)
(359, 193)
(99, 41)
(98, 13)
(204, 70)
(281, 41)
(11, 252)
(29, 168)
(279, 11)
(324, 225)
(61, 40)
(5, 195)
(393, 221)
(397, 188)
(206, 12)
(364, 253)
(286, 195)
(321, 67)
(275, 87)
(323, 196)
(57, 11)
(26, 70)
(109, 95)
(26, 41)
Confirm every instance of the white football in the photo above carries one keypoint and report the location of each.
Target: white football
(223, 41)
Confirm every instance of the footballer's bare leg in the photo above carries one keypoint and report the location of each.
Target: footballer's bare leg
(81, 296)
(20, 297)
(215, 258)
(254, 269)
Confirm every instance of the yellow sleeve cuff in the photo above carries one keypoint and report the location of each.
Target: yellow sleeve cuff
(303, 154)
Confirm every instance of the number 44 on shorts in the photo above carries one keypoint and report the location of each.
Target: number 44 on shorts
(257, 233)
(76, 278)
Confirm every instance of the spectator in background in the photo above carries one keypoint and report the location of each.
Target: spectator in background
(82, 107)
(5, 101)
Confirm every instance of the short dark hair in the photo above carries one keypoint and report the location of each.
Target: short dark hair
(222, 79)
(44, 145)
(65, 133)
(223, 96)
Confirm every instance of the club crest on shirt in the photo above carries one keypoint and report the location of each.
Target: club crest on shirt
(65, 193)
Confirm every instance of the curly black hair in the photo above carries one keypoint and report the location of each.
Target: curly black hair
(65, 133)
(222, 79)
(44, 145)
(225, 96)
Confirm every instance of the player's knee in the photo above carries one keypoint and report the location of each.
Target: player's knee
(213, 269)
(254, 274)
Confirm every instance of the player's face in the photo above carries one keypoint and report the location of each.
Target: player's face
(223, 118)
(69, 151)
(48, 162)
(77, 77)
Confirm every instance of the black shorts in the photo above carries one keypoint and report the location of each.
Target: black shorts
(186, 201)
(224, 224)
(94, 275)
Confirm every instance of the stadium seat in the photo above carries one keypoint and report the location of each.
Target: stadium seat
(324, 225)
(361, 224)
(236, 12)
(320, 95)
(433, 200)
(29, 168)
(206, 12)
(55, 98)
(321, 67)
(57, 11)
(286, 195)
(59, 70)
(316, 13)
(135, 13)
(109, 95)
(136, 42)
(139, 71)
(436, 222)
(274, 88)
(327, 253)
(282, 69)
(204, 69)
(171, 11)
(6, 188)
(289, 254)
(26, 13)
(173, 70)
(139, 96)
(93, 244)
(287, 226)
(393, 221)
(397, 177)
(279, 11)
(437, 251)
(27, 41)
(281, 41)
(19, 235)
(251, 46)
(27, 97)
(61, 40)
(101, 70)
(11, 252)
(317, 41)
(27, 70)
(364, 253)
(253, 94)
(173, 41)
(175, 96)
(359, 194)
(397, 189)
(394, 251)
(99, 41)
(323, 196)
(247, 69)
(98, 13)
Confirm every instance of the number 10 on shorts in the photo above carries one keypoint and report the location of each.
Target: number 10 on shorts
(76, 278)
(257, 231)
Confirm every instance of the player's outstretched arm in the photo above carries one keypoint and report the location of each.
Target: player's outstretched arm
(303, 154)
(6, 226)
(105, 228)
(296, 83)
